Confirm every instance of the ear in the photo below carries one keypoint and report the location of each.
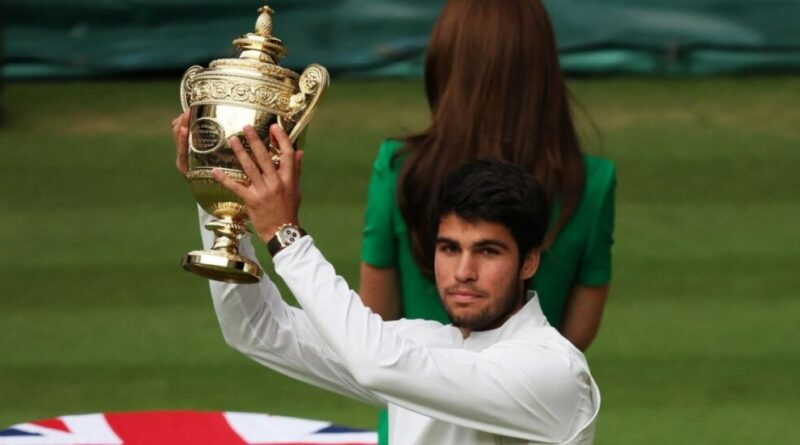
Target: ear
(531, 263)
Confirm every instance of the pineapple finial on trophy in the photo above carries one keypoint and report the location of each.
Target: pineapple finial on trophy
(261, 45)
(264, 22)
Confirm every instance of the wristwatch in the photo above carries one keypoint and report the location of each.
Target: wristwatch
(285, 236)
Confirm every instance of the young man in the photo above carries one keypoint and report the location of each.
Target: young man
(498, 374)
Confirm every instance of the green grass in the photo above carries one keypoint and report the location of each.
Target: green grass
(699, 341)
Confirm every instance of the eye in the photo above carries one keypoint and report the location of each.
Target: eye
(489, 251)
(447, 248)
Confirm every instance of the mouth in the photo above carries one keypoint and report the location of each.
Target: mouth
(464, 296)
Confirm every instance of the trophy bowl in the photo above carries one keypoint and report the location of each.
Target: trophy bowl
(223, 98)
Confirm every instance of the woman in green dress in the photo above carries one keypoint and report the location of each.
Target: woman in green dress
(495, 89)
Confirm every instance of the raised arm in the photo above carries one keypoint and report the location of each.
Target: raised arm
(257, 322)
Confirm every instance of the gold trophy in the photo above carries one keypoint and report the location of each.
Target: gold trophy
(223, 98)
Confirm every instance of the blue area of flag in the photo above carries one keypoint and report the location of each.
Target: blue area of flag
(339, 429)
(15, 432)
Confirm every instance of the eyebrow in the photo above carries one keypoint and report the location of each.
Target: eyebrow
(481, 243)
(490, 243)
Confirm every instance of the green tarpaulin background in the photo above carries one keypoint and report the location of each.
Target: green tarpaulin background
(68, 38)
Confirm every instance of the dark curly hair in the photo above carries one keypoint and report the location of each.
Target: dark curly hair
(495, 191)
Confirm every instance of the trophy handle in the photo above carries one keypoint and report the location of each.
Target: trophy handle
(186, 85)
(313, 82)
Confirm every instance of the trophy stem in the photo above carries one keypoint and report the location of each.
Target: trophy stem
(223, 262)
(228, 234)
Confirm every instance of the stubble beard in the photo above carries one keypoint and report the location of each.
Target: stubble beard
(487, 318)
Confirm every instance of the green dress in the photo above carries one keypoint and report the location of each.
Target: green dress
(580, 254)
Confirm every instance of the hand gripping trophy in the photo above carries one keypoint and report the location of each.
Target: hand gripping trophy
(223, 98)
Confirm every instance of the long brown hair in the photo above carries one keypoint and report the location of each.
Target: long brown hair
(495, 89)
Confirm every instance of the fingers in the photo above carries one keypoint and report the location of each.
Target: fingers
(257, 164)
(176, 127)
(182, 146)
(180, 135)
(260, 152)
(270, 199)
(180, 122)
(298, 162)
(182, 118)
(248, 166)
(287, 169)
(235, 187)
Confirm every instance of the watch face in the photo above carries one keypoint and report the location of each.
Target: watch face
(289, 235)
(285, 236)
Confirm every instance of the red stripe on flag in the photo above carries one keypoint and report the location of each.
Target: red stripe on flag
(173, 428)
(55, 424)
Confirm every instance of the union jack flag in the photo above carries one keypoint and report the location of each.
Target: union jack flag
(182, 428)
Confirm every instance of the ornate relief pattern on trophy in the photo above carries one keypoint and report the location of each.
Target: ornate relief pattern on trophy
(259, 93)
(273, 71)
(206, 174)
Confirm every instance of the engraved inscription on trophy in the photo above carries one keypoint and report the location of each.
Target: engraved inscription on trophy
(205, 135)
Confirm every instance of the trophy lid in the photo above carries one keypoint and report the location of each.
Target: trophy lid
(261, 45)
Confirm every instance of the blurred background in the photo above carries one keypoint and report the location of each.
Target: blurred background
(697, 102)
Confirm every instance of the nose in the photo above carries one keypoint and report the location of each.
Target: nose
(466, 270)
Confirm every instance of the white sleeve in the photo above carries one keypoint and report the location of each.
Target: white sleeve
(257, 322)
(512, 389)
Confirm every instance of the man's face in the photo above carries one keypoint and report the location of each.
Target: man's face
(478, 273)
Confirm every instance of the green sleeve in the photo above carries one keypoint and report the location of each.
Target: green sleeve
(378, 247)
(595, 265)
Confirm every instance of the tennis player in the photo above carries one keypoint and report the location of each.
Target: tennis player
(498, 374)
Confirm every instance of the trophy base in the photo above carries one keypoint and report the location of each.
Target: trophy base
(222, 267)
